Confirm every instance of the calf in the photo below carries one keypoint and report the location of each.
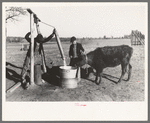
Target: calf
(109, 56)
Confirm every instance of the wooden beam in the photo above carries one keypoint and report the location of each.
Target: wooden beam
(14, 87)
(31, 12)
(32, 49)
(60, 48)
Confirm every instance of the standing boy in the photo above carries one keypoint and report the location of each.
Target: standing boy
(74, 51)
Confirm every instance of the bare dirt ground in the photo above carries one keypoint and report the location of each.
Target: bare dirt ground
(87, 90)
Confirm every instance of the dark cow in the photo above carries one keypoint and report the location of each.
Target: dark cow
(109, 56)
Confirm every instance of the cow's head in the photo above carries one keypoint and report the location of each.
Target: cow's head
(81, 60)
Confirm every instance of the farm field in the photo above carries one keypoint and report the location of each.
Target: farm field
(87, 90)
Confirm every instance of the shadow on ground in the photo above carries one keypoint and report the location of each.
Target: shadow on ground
(52, 75)
(11, 74)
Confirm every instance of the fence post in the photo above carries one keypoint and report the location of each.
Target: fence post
(132, 38)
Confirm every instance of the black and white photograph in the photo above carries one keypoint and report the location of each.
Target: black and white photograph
(74, 61)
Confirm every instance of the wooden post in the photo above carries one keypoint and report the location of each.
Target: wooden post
(43, 61)
(60, 48)
(32, 49)
(6, 31)
(14, 87)
(131, 38)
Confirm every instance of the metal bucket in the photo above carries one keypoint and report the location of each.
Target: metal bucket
(69, 83)
(67, 72)
(68, 77)
(37, 74)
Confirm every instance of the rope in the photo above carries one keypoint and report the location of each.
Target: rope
(47, 24)
(35, 16)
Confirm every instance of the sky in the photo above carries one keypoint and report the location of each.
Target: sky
(82, 19)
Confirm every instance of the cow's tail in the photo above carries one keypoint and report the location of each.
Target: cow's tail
(130, 52)
(129, 65)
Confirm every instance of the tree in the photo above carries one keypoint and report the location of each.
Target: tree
(12, 13)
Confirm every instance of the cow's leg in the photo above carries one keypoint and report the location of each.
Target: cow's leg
(89, 72)
(124, 69)
(129, 73)
(98, 77)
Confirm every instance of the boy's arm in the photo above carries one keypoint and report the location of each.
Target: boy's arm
(81, 47)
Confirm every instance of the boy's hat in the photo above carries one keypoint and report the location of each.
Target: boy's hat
(72, 39)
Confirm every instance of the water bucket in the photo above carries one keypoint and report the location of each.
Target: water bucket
(37, 74)
(68, 76)
(69, 83)
(67, 72)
